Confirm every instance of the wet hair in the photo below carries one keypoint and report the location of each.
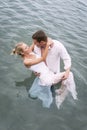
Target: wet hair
(18, 49)
(40, 36)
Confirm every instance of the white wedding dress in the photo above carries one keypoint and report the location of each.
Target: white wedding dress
(48, 78)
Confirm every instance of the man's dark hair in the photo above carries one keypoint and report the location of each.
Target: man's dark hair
(40, 36)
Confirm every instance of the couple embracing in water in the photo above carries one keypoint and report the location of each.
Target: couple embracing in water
(43, 58)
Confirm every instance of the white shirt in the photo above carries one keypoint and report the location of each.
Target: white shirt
(54, 54)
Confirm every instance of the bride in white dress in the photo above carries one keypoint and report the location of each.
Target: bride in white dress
(37, 64)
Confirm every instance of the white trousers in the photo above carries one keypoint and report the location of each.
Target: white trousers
(67, 86)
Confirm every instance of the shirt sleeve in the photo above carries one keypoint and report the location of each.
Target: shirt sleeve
(65, 57)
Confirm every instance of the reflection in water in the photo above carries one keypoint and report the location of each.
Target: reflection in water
(26, 82)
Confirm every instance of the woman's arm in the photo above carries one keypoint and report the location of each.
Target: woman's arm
(30, 62)
(32, 46)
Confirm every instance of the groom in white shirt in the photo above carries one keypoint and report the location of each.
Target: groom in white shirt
(56, 52)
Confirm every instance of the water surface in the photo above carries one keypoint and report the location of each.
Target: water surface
(62, 20)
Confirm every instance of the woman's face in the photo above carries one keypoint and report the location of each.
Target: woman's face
(25, 48)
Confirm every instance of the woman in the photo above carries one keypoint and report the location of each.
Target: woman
(37, 64)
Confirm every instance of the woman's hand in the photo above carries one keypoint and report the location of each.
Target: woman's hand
(37, 74)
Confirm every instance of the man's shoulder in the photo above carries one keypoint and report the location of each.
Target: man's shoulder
(57, 43)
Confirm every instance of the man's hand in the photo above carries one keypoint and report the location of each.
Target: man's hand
(66, 74)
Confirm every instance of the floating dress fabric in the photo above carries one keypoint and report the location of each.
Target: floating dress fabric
(41, 92)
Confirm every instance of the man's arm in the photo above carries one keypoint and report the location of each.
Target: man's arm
(66, 74)
(67, 61)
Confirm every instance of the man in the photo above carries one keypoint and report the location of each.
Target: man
(56, 52)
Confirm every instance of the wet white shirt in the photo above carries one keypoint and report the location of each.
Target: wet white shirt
(57, 52)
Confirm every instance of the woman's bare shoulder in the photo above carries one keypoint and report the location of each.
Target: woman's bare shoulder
(27, 62)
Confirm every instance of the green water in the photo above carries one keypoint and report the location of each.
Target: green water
(62, 20)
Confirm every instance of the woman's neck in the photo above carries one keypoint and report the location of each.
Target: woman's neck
(29, 56)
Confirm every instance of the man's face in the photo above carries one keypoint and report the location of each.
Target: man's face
(41, 44)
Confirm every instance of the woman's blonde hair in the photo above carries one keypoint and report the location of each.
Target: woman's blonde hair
(18, 49)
